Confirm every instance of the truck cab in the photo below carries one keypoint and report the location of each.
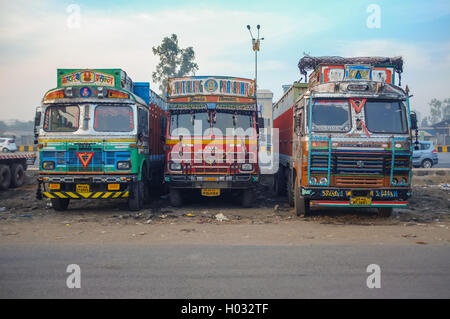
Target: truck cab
(351, 143)
(94, 139)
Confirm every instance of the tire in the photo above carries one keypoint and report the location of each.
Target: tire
(248, 196)
(60, 204)
(300, 203)
(290, 189)
(384, 211)
(279, 182)
(5, 177)
(137, 202)
(5, 150)
(17, 175)
(427, 163)
(147, 186)
(175, 197)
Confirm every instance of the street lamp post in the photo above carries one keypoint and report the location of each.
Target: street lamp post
(255, 44)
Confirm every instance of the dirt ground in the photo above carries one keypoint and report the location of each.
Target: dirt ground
(23, 219)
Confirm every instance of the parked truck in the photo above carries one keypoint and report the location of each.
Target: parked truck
(212, 138)
(345, 137)
(100, 137)
(13, 167)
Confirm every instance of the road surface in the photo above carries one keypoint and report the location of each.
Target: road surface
(137, 271)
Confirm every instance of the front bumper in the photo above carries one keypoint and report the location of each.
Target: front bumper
(95, 187)
(338, 197)
(238, 181)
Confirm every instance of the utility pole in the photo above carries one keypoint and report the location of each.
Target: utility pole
(255, 45)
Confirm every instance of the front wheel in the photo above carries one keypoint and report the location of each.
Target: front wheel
(60, 204)
(247, 197)
(301, 204)
(137, 201)
(5, 150)
(175, 197)
(384, 211)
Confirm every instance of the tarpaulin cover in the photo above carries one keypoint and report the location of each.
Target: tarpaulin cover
(309, 62)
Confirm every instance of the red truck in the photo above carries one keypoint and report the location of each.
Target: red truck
(212, 137)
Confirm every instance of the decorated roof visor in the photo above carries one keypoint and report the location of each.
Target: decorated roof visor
(116, 78)
(210, 85)
(333, 68)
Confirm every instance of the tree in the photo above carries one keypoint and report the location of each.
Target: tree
(173, 61)
(446, 109)
(435, 111)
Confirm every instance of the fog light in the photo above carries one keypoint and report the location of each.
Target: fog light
(48, 165)
(403, 180)
(124, 165)
(247, 167)
(175, 166)
(394, 181)
(323, 180)
(313, 180)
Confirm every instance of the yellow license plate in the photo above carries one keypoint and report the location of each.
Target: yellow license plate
(54, 186)
(360, 201)
(113, 187)
(83, 188)
(210, 192)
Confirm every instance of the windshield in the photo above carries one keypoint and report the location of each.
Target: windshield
(60, 118)
(330, 116)
(385, 117)
(113, 118)
(191, 123)
(232, 123)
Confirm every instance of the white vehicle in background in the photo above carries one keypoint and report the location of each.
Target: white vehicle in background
(7, 144)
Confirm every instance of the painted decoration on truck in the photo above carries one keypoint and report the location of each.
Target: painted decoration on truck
(85, 77)
(333, 73)
(381, 74)
(207, 85)
(357, 72)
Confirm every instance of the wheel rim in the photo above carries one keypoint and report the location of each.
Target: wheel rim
(427, 164)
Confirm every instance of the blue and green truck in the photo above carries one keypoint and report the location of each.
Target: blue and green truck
(100, 136)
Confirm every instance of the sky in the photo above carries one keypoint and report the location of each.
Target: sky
(37, 37)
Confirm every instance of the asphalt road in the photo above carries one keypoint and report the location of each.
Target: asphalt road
(138, 271)
(443, 160)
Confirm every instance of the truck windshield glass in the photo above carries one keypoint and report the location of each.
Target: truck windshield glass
(183, 123)
(330, 116)
(62, 118)
(385, 117)
(113, 118)
(233, 123)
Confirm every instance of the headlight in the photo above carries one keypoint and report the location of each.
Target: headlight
(403, 180)
(124, 165)
(313, 180)
(48, 165)
(394, 181)
(323, 180)
(247, 167)
(175, 166)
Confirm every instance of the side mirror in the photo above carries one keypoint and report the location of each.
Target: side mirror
(37, 123)
(260, 123)
(414, 121)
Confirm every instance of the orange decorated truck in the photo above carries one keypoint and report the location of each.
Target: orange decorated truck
(345, 137)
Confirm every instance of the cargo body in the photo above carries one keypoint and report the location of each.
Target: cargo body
(212, 137)
(12, 169)
(99, 137)
(351, 139)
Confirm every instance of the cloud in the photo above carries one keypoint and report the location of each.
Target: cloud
(426, 66)
(35, 40)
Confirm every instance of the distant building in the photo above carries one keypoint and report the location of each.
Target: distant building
(265, 100)
(442, 132)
